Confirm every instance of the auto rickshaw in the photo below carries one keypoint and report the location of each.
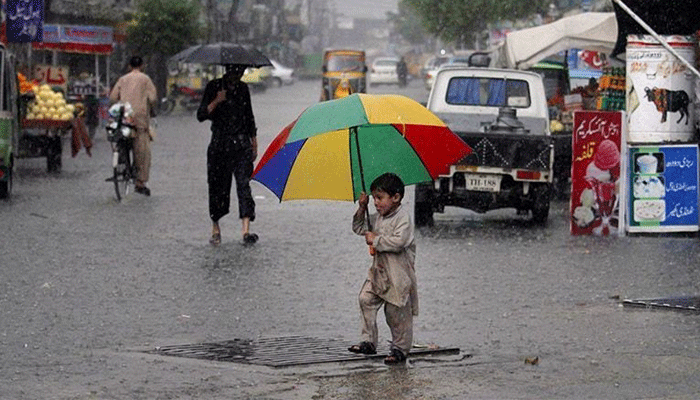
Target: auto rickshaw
(257, 78)
(344, 73)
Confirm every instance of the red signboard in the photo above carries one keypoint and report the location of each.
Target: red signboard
(597, 144)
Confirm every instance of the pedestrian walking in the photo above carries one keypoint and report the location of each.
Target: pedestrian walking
(137, 89)
(391, 280)
(232, 149)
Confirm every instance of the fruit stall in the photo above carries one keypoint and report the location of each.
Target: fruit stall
(45, 119)
(46, 115)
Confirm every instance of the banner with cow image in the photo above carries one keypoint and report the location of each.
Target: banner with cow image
(660, 89)
(598, 173)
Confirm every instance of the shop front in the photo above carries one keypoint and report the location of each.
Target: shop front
(655, 189)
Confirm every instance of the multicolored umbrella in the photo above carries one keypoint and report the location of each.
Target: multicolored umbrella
(335, 149)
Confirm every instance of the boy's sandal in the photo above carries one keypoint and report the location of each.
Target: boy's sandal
(215, 239)
(395, 357)
(363, 348)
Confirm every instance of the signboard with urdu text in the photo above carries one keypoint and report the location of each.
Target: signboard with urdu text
(663, 188)
(77, 39)
(24, 20)
(596, 168)
(53, 75)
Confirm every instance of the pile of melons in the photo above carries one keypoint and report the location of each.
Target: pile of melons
(48, 104)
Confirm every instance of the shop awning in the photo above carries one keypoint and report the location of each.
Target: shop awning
(590, 31)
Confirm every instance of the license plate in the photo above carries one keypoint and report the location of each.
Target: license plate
(482, 182)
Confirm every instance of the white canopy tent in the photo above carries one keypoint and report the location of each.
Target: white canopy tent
(594, 31)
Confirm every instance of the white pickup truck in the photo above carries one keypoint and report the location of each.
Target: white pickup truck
(502, 115)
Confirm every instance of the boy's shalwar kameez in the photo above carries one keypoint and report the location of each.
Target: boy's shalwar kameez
(391, 280)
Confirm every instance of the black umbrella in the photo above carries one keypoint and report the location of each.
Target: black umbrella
(665, 17)
(222, 53)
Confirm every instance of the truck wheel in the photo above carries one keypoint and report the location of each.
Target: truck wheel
(6, 186)
(540, 207)
(423, 207)
(53, 154)
(424, 214)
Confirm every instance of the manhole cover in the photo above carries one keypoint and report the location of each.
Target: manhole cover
(684, 303)
(283, 351)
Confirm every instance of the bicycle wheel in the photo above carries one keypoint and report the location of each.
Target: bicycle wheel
(167, 106)
(122, 173)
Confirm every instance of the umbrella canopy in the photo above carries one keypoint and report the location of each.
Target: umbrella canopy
(222, 53)
(335, 149)
(594, 31)
(665, 17)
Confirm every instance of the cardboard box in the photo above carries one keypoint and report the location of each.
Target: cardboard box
(573, 102)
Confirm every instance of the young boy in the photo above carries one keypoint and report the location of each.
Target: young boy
(391, 280)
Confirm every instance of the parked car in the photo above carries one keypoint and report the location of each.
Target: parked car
(431, 68)
(281, 75)
(383, 71)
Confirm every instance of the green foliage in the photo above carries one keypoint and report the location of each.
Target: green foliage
(408, 24)
(164, 27)
(461, 20)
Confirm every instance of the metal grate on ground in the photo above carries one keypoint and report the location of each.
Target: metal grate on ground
(283, 351)
(682, 303)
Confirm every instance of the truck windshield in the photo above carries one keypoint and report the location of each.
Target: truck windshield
(489, 92)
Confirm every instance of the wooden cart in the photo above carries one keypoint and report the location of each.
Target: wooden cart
(43, 138)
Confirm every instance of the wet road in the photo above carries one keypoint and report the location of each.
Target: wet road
(86, 282)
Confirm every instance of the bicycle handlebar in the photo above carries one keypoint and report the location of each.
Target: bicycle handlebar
(120, 121)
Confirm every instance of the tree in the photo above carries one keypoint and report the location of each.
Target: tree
(407, 23)
(161, 28)
(462, 21)
(232, 32)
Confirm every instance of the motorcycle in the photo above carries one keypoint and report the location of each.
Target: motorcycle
(402, 72)
(186, 97)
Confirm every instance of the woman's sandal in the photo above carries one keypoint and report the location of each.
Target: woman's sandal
(250, 238)
(363, 348)
(395, 357)
(215, 239)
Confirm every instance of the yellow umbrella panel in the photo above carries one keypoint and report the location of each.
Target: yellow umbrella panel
(321, 170)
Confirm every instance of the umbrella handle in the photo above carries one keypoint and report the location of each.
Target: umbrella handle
(372, 250)
(369, 223)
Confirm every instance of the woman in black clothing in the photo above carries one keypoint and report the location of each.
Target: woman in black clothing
(232, 149)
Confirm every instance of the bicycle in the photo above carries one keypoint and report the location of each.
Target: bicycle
(119, 135)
